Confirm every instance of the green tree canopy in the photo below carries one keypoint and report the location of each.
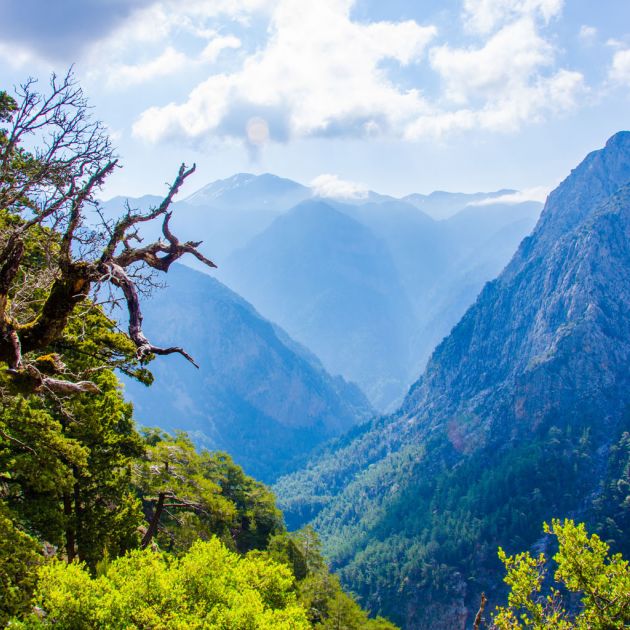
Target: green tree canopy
(584, 568)
(208, 587)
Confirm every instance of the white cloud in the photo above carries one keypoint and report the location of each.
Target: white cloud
(331, 186)
(615, 43)
(500, 85)
(321, 74)
(484, 16)
(538, 193)
(587, 33)
(168, 62)
(217, 45)
(319, 70)
(507, 61)
(620, 68)
(15, 56)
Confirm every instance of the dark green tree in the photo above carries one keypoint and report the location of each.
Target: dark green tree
(190, 495)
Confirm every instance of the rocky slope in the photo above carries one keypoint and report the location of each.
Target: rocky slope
(511, 423)
(257, 394)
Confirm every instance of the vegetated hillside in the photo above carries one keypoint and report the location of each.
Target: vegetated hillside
(332, 285)
(519, 417)
(257, 394)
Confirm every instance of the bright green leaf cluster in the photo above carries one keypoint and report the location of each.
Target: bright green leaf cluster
(209, 587)
(584, 568)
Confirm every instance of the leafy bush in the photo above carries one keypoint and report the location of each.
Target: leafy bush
(209, 587)
(584, 568)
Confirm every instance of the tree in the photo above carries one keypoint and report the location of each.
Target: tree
(319, 592)
(66, 464)
(19, 559)
(584, 568)
(208, 587)
(190, 495)
(53, 159)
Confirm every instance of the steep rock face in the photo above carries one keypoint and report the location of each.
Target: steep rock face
(257, 394)
(550, 321)
(510, 424)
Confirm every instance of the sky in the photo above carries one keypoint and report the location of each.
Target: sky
(398, 96)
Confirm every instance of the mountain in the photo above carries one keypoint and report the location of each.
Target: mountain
(331, 284)
(431, 271)
(519, 417)
(443, 265)
(257, 394)
(441, 205)
(476, 244)
(245, 191)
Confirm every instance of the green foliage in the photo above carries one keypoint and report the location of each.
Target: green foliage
(409, 532)
(190, 495)
(208, 587)
(75, 475)
(611, 511)
(19, 559)
(319, 592)
(585, 568)
(68, 461)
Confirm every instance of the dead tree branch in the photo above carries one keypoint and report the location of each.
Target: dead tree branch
(47, 189)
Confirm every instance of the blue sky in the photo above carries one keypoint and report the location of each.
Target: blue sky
(399, 96)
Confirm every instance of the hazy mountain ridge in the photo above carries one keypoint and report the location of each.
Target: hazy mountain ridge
(530, 387)
(440, 204)
(418, 262)
(257, 394)
(332, 285)
(378, 335)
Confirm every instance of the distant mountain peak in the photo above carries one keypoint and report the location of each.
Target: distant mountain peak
(440, 204)
(246, 191)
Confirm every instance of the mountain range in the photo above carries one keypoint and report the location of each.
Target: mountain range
(370, 284)
(521, 415)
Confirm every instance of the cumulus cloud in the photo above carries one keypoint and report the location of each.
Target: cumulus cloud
(506, 82)
(620, 68)
(319, 66)
(166, 63)
(484, 16)
(331, 186)
(506, 62)
(320, 73)
(169, 61)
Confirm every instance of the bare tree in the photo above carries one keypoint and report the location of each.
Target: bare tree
(53, 159)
